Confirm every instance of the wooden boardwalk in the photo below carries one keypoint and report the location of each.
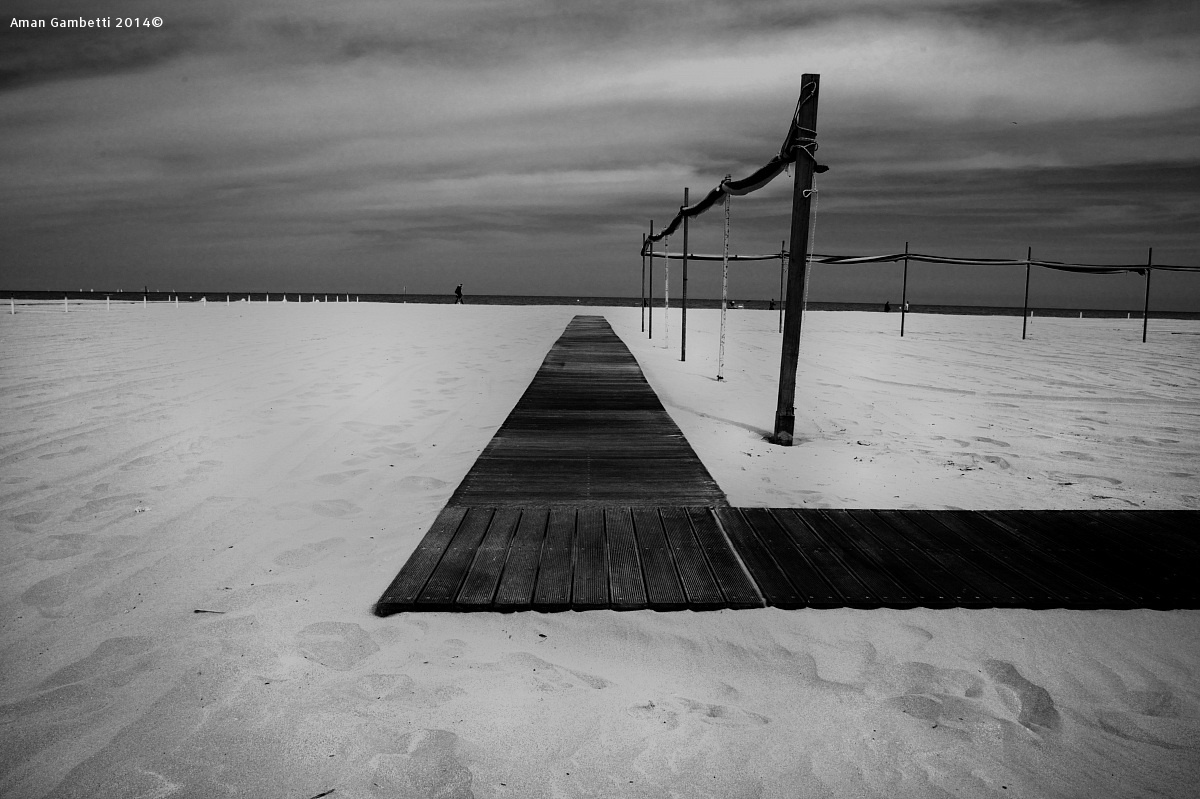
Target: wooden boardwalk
(588, 431)
(589, 497)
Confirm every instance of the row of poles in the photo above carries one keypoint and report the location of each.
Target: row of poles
(12, 302)
(805, 127)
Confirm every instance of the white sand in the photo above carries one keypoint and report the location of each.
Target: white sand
(280, 463)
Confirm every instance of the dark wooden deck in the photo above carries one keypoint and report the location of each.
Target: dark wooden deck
(589, 431)
(589, 497)
(701, 558)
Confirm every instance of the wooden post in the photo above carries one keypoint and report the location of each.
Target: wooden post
(1146, 307)
(782, 268)
(904, 292)
(1025, 307)
(683, 311)
(65, 304)
(666, 292)
(643, 285)
(650, 298)
(805, 127)
(724, 291)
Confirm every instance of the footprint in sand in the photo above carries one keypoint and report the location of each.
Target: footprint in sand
(549, 677)
(1031, 703)
(1079, 456)
(339, 645)
(337, 478)
(95, 507)
(992, 441)
(85, 684)
(428, 763)
(68, 453)
(307, 554)
(669, 712)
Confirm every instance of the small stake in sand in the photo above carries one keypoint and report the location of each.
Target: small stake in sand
(64, 304)
(643, 285)
(650, 311)
(904, 292)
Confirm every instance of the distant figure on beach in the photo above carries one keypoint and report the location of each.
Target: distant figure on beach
(458, 295)
(887, 306)
(772, 305)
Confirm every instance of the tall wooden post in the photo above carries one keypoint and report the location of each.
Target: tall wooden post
(1146, 307)
(904, 292)
(724, 291)
(805, 124)
(683, 326)
(1025, 307)
(643, 285)
(650, 299)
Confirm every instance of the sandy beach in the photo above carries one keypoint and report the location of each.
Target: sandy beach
(199, 506)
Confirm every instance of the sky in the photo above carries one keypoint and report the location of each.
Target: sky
(523, 146)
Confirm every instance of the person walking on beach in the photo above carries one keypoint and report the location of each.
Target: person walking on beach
(458, 295)
(887, 306)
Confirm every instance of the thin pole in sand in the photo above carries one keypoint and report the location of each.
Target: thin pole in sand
(642, 287)
(782, 271)
(724, 291)
(1025, 308)
(650, 303)
(904, 292)
(1146, 307)
(65, 304)
(12, 306)
(666, 293)
(805, 135)
(683, 323)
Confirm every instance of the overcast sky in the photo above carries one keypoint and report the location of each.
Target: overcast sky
(522, 147)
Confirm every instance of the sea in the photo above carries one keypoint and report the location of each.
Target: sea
(525, 299)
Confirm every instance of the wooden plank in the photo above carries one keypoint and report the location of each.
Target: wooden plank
(969, 585)
(698, 582)
(819, 559)
(1024, 592)
(757, 539)
(525, 554)
(446, 579)
(944, 590)
(588, 431)
(589, 588)
(1104, 566)
(1153, 530)
(732, 578)
(918, 590)
(1027, 575)
(1085, 591)
(663, 589)
(869, 570)
(483, 577)
(553, 590)
(627, 587)
(402, 594)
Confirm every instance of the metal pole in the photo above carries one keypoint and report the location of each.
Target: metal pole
(1146, 307)
(683, 324)
(805, 129)
(643, 285)
(904, 292)
(1025, 308)
(650, 298)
